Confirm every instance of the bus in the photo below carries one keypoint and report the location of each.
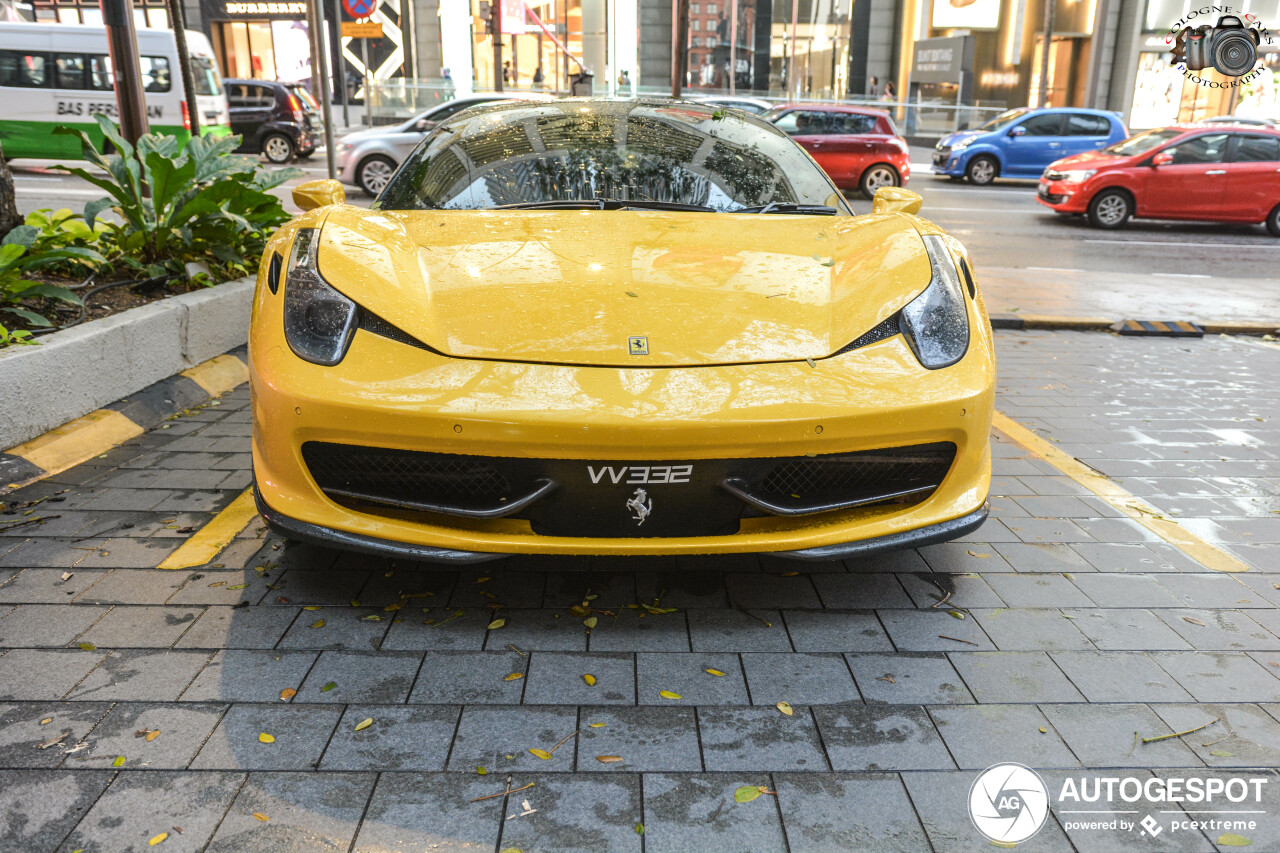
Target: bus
(60, 74)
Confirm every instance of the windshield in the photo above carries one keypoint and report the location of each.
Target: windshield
(1143, 142)
(1004, 119)
(576, 151)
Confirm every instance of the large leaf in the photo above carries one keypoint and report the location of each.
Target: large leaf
(48, 291)
(93, 208)
(169, 180)
(30, 316)
(112, 133)
(88, 150)
(75, 254)
(9, 254)
(21, 235)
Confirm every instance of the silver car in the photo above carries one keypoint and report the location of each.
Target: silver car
(368, 158)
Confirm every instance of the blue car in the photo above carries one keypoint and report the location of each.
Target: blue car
(1021, 143)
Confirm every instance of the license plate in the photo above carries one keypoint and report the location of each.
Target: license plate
(1044, 188)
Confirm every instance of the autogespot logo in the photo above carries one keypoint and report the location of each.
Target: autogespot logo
(1008, 803)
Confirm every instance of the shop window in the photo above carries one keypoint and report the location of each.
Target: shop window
(1079, 124)
(22, 70)
(1254, 149)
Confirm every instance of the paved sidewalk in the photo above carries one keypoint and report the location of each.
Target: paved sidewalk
(1050, 637)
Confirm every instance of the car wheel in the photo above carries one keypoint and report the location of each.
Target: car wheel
(982, 170)
(374, 173)
(1110, 209)
(277, 148)
(877, 176)
(1273, 221)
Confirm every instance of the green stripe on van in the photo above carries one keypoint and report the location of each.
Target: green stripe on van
(37, 139)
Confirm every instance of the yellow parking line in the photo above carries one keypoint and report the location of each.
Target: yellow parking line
(207, 542)
(1131, 505)
(77, 441)
(219, 374)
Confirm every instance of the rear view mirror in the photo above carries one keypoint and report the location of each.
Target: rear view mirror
(896, 200)
(1162, 158)
(315, 194)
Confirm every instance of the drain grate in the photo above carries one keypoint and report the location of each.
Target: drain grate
(1159, 328)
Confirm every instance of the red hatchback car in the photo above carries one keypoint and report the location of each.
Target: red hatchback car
(858, 147)
(1207, 172)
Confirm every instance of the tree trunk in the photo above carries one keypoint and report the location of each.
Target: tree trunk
(9, 218)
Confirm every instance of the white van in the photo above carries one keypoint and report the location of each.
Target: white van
(60, 74)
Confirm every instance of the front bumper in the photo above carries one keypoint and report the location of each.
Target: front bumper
(1062, 196)
(947, 162)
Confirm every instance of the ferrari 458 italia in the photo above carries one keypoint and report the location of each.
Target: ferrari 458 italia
(617, 327)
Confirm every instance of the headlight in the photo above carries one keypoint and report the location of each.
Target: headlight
(318, 320)
(963, 143)
(346, 146)
(1078, 176)
(936, 323)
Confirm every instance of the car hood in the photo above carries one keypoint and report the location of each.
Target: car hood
(572, 287)
(1087, 160)
(951, 140)
(358, 136)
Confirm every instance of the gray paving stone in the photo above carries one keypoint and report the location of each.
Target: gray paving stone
(313, 585)
(414, 737)
(183, 729)
(1115, 629)
(46, 586)
(511, 589)
(488, 734)
(300, 732)
(862, 591)
(979, 735)
(1037, 590)
(135, 586)
(543, 630)
(44, 673)
(584, 814)
(413, 811)
(1215, 591)
(41, 807)
(844, 812)
(613, 589)
(1110, 736)
(995, 677)
(139, 806)
(889, 561)
(470, 678)
(881, 737)
(557, 678)
(125, 553)
(1030, 630)
(1124, 590)
(1119, 677)
(941, 800)
(684, 589)
(21, 730)
(835, 630)
(760, 738)
(690, 812)
(141, 627)
(801, 679)
(408, 586)
(343, 628)
(1113, 557)
(1230, 630)
(955, 557)
(769, 591)
(46, 625)
(1220, 676)
(237, 628)
(307, 811)
(445, 632)
(141, 675)
(1244, 736)
(908, 678)
(1035, 557)
(639, 631)
(646, 738)
(929, 588)
(928, 630)
(228, 587)
(383, 677)
(244, 675)
(736, 631)
(687, 676)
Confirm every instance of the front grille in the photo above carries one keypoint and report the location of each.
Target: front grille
(405, 476)
(825, 479)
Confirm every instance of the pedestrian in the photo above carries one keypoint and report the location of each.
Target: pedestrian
(874, 88)
(624, 82)
(506, 72)
(889, 94)
(538, 77)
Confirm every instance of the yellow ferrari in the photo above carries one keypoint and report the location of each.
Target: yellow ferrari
(617, 327)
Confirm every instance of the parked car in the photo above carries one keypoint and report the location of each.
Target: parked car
(277, 120)
(755, 106)
(857, 146)
(1213, 173)
(1020, 143)
(1254, 120)
(368, 158)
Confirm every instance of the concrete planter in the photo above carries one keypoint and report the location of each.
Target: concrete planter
(76, 371)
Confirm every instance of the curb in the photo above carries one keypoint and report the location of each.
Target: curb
(1099, 324)
(99, 431)
(106, 360)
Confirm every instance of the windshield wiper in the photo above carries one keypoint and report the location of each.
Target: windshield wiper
(789, 207)
(646, 204)
(561, 204)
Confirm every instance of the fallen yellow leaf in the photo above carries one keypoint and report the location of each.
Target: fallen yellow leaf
(496, 624)
(590, 621)
(46, 721)
(152, 735)
(311, 607)
(88, 647)
(541, 753)
(119, 762)
(590, 679)
(786, 708)
(667, 694)
(596, 725)
(608, 759)
(481, 770)
(364, 724)
(319, 623)
(157, 839)
(260, 816)
(513, 676)
(288, 693)
(266, 738)
(713, 672)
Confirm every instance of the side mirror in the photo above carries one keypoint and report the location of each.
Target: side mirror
(423, 125)
(1017, 131)
(896, 200)
(315, 194)
(1162, 158)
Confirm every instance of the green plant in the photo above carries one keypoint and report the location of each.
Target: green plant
(50, 230)
(21, 295)
(202, 204)
(15, 338)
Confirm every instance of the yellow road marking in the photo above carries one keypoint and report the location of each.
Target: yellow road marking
(207, 542)
(1131, 505)
(77, 441)
(219, 374)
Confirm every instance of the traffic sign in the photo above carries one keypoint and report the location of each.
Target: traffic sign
(364, 30)
(359, 8)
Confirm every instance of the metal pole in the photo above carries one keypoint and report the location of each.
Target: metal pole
(1045, 48)
(495, 8)
(733, 47)
(326, 96)
(791, 70)
(680, 58)
(368, 90)
(313, 37)
(342, 65)
(178, 21)
(122, 45)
